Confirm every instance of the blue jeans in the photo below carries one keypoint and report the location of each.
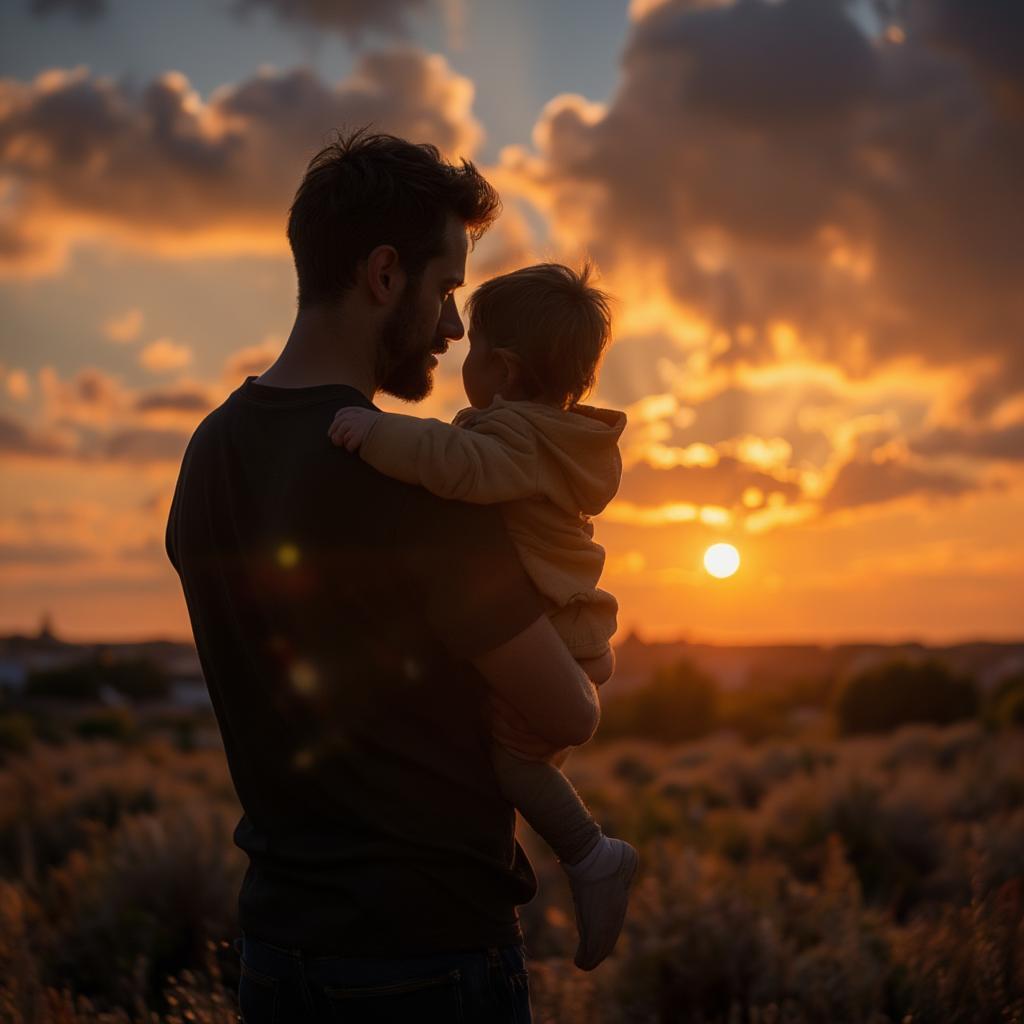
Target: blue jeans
(280, 986)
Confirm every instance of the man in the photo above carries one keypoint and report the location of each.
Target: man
(353, 629)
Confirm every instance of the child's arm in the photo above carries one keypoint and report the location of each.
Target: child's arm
(468, 465)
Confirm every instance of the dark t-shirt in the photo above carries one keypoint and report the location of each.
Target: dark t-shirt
(334, 609)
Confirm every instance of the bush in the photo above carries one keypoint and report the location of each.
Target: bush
(116, 725)
(885, 697)
(16, 734)
(76, 682)
(1006, 704)
(680, 703)
(136, 678)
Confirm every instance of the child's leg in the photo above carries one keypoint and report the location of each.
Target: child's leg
(600, 869)
(547, 800)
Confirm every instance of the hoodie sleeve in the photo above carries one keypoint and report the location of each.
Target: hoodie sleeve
(496, 461)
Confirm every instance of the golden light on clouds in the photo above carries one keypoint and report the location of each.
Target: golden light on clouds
(18, 385)
(124, 328)
(164, 355)
(807, 365)
(721, 561)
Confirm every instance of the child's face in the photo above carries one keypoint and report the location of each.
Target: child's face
(483, 372)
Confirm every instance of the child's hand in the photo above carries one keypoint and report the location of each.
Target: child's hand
(351, 425)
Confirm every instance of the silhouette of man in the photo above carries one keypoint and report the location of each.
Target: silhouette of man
(353, 630)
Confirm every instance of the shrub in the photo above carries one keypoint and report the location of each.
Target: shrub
(883, 698)
(680, 703)
(16, 734)
(870, 880)
(118, 725)
(1006, 704)
(136, 678)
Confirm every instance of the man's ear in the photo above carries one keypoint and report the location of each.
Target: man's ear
(384, 274)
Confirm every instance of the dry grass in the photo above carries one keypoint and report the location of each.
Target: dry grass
(863, 880)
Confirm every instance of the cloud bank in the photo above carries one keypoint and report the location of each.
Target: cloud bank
(770, 186)
(83, 156)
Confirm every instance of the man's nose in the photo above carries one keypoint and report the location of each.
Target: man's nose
(451, 326)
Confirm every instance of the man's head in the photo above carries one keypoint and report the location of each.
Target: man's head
(391, 221)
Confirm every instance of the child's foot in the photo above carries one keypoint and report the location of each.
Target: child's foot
(600, 891)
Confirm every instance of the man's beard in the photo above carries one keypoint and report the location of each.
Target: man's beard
(402, 367)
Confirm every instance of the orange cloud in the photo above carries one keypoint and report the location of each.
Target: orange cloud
(790, 255)
(125, 327)
(161, 168)
(251, 361)
(16, 383)
(164, 354)
(93, 417)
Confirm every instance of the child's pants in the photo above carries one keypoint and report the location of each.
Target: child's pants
(548, 802)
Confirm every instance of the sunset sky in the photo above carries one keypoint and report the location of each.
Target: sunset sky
(809, 212)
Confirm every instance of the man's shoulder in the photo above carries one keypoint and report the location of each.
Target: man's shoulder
(214, 421)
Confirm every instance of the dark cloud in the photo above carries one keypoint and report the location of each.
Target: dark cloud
(753, 66)
(142, 444)
(92, 418)
(352, 18)
(86, 10)
(1005, 443)
(185, 399)
(722, 484)
(988, 33)
(165, 167)
(873, 483)
(18, 439)
(42, 554)
(93, 387)
(131, 444)
(775, 165)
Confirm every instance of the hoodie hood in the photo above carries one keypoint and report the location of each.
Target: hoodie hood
(579, 465)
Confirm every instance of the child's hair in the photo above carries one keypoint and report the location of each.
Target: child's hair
(553, 319)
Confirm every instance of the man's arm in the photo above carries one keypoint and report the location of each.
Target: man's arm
(536, 677)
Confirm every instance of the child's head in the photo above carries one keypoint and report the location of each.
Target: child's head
(537, 333)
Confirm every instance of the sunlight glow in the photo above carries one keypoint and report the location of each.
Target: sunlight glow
(721, 560)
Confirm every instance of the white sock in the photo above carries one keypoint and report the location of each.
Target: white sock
(603, 860)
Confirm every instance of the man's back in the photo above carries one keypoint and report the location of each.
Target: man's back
(333, 610)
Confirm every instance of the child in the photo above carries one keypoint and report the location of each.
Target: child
(536, 336)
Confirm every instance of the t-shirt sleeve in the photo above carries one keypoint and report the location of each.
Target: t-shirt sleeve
(463, 566)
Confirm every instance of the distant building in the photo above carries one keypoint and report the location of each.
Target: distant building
(21, 655)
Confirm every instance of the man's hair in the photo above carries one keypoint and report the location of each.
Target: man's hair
(365, 190)
(554, 319)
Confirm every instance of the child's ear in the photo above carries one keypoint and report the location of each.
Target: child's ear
(511, 371)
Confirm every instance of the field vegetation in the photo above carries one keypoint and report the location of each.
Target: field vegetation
(820, 874)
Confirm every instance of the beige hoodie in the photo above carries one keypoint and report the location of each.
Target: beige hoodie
(551, 469)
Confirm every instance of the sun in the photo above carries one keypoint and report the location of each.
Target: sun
(721, 560)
